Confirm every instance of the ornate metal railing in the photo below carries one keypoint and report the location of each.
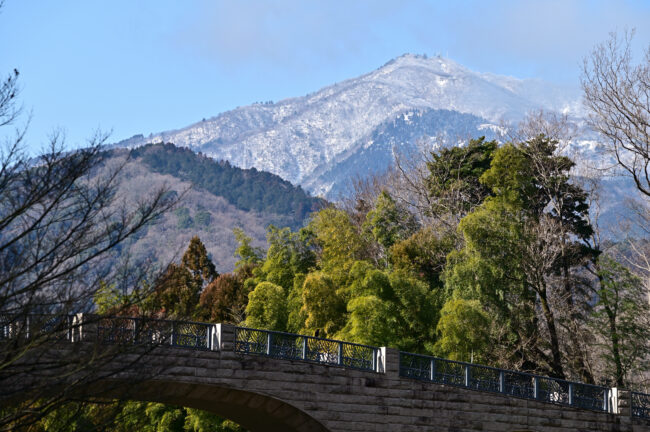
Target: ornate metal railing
(185, 334)
(35, 325)
(511, 383)
(305, 348)
(640, 404)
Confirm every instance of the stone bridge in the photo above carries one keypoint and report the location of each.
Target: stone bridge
(269, 381)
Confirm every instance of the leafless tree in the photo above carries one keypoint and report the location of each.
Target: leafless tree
(617, 95)
(61, 227)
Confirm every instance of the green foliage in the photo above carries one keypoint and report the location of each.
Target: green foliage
(388, 222)
(196, 260)
(289, 253)
(423, 255)
(453, 181)
(203, 421)
(371, 322)
(338, 241)
(248, 189)
(323, 307)
(248, 255)
(297, 316)
(463, 331)
(622, 319)
(183, 219)
(202, 218)
(532, 230)
(108, 297)
(267, 307)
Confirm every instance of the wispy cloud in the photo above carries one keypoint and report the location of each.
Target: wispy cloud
(539, 36)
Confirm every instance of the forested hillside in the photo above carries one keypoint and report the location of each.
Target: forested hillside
(248, 189)
(502, 266)
(214, 198)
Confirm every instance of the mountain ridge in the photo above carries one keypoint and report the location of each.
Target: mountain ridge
(300, 138)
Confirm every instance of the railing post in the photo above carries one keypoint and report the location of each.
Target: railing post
(374, 359)
(432, 376)
(606, 400)
(570, 393)
(535, 387)
(172, 337)
(340, 353)
(208, 337)
(304, 347)
(381, 360)
(135, 330)
(613, 400)
(502, 382)
(223, 337)
(468, 377)
(268, 343)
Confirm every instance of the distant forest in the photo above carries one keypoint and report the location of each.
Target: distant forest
(246, 189)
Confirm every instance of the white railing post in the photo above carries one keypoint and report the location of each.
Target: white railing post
(304, 347)
(613, 400)
(502, 382)
(468, 377)
(268, 343)
(535, 387)
(570, 393)
(381, 360)
(432, 371)
(340, 353)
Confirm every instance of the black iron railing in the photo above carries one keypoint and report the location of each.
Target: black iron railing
(35, 325)
(185, 334)
(640, 404)
(507, 382)
(291, 346)
(199, 336)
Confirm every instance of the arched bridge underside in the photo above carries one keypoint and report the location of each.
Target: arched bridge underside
(268, 394)
(264, 393)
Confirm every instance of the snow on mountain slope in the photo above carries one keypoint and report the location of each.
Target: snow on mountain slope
(303, 139)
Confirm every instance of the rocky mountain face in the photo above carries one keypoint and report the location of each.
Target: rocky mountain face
(355, 127)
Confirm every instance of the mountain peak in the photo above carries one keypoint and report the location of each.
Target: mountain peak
(303, 139)
(436, 62)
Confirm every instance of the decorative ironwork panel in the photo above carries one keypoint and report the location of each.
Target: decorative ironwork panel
(358, 356)
(519, 384)
(151, 331)
(553, 390)
(250, 341)
(116, 330)
(589, 397)
(306, 348)
(449, 372)
(484, 378)
(415, 366)
(286, 346)
(322, 351)
(59, 325)
(190, 334)
(640, 405)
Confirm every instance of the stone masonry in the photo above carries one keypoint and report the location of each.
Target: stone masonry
(267, 394)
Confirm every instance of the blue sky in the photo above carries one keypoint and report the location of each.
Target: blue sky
(129, 67)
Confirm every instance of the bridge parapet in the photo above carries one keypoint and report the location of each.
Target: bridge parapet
(394, 370)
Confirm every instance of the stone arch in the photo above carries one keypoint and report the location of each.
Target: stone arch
(254, 411)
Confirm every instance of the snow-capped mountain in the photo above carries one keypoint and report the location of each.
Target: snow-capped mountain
(354, 127)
